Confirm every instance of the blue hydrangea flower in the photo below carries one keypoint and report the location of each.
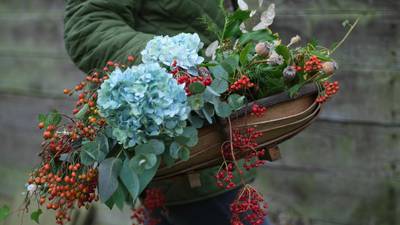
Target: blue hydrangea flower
(143, 101)
(183, 48)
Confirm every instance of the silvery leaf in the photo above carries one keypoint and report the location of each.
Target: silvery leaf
(253, 12)
(242, 28)
(267, 18)
(242, 5)
(211, 49)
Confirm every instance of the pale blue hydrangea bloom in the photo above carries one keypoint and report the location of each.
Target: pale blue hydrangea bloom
(183, 48)
(143, 101)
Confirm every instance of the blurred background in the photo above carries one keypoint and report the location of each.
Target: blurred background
(343, 170)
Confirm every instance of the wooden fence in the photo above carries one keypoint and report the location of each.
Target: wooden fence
(344, 169)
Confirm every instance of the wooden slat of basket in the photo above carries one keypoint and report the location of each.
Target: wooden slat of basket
(212, 155)
(216, 161)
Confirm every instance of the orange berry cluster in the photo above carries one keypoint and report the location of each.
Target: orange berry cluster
(70, 186)
(241, 84)
(313, 64)
(331, 88)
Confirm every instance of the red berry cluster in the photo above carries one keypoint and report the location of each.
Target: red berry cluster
(225, 176)
(246, 138)
(258, 110)
(241, 84)
(70, 186)
(249, 206)
(154, 200)
(252, 159)
(313, 64)
(187, 80)
(331, 88)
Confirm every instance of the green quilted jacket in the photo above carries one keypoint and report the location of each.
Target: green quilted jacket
(100, 30)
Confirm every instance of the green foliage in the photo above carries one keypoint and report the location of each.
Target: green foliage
(232, 23)
(36, 215)
(4, 212)
(196, 102)
(236, 101)
(130, 179)
(154, 146)
(147, 175)
(196, 88)
(82, 112)
(219, 86)
(257, 36)
(52, 118)
(109, 171)
(94, 151)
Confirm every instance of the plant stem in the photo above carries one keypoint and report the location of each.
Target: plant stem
(346, 36)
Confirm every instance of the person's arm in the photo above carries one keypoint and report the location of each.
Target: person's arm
(100, 30)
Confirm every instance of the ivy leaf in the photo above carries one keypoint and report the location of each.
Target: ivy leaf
(257, 36)
(36, 215)
(283, 51)
(42, 118)
(152, 146)
(196, 88)
(4, 212)
(109, 171)
(147, 176)
(130, 179)
(245, 54)
(219, 85)
(236, 101)
(223, 109)
(233, 23)
(54, 118)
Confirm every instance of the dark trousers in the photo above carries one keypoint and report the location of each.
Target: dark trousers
(212, 211)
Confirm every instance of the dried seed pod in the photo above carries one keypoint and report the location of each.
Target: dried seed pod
(262, 49)
(289, 73)
(329, 68)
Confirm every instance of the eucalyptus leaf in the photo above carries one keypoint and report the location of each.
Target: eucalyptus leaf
(218, 72)
(119, 197)
(192, 134)
(196, 102)
(184, 154)
(152, 146)
(174, 149)
(196, 121)
(147, 176)
(236, 101)
(196, 88)
(223, 110)
(130, 179)
(109, 171)
(208, 112)
(219, 85)
(231, 63)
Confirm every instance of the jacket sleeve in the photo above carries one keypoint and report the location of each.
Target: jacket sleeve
(100, 30)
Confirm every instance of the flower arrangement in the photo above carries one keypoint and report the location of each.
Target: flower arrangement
(129, 120)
